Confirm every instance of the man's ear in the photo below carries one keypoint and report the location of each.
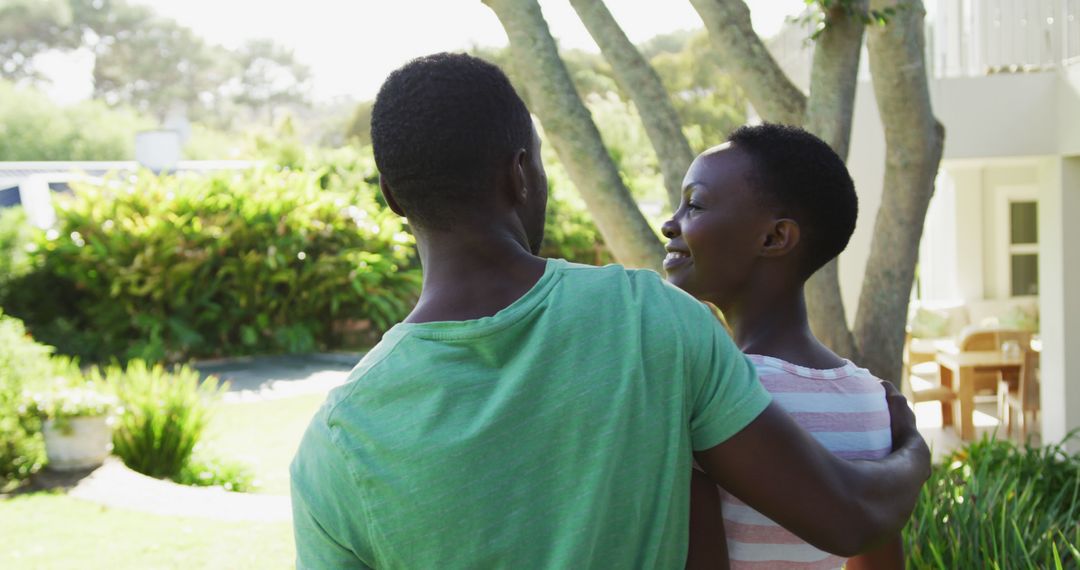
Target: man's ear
(783, 236)
(389, 197)
(518, 187)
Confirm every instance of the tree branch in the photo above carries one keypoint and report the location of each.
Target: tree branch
(570, 127)
(770, 90)
(829, 109)
(914, 142)
(639, 80)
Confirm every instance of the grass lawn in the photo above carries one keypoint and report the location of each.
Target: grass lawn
(263, 434)
(47, 530)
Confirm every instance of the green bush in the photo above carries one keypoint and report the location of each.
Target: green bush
(34, 128)
(569, 232)
(24, 365)
(16, 244)
(994, 504)
(171, 267)
(216, 472)
(163, 415)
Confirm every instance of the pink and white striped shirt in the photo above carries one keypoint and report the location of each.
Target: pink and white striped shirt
(845, 410)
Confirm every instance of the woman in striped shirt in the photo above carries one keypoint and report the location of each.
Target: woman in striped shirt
(760, 214)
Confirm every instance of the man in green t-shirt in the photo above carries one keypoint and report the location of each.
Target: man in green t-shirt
(533, 413)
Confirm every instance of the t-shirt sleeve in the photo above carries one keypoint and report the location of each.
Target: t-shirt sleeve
(725, 392)
(320, 485)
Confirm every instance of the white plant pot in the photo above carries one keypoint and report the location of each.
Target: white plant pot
(85, 446)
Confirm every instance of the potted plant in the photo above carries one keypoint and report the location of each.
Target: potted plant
(77, 425)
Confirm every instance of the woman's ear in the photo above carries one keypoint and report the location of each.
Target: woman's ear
(781, 239)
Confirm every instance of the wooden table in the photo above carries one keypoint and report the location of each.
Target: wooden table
(958, 370)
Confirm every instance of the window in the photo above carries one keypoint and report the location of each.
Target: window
(1024, 248)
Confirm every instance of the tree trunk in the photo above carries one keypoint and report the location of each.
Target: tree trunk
(577, 141)
(829, 109)
(914, 141)
(769, 89)
(640, 81)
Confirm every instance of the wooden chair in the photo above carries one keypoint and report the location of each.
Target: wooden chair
(1021, 396)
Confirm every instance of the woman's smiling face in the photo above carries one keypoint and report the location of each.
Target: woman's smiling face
(719, 230)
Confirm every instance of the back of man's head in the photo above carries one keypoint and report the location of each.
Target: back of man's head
(441, 127)
(804, 179)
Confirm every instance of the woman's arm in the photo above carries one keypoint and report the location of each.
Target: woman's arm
(839, 506)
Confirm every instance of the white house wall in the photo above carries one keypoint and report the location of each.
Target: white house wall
(1068, 110)
(1059, 281)
(937, 264)
(998, 115)
(991, 117)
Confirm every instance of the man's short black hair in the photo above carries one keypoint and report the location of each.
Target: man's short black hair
(804, 178)
(440, 127)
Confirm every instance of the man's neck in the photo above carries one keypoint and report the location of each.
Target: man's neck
(469, 276)
(777, 325)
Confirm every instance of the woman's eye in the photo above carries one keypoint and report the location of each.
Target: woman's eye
(692, 206)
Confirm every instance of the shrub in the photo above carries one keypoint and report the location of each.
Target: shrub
(16, 244)
(216, 472)
(170, 267)
(24, 365)
(994, 504)
(569, 231)
(34, 128)
(163, 415)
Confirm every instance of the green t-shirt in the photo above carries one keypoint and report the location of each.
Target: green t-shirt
(554, 434)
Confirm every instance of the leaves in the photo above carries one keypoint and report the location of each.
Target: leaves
(820, 13)
(266, 260)
(164, 414)
(995, 504)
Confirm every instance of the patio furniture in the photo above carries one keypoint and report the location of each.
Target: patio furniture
(960, 370)
(935, 327)
(1020, 397)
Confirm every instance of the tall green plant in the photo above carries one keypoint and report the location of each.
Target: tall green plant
(993, 504)
(164, 415)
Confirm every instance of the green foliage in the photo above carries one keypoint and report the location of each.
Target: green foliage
(34, 128)
(164, 414)
(16, 243)
(993, 504)
(206, 143)
(24, 365)
(268, 260)
(569, 232)
(629, 146)
(215, 472)
(709, 102)
(359, 128)
(819, 17)
(29, 28)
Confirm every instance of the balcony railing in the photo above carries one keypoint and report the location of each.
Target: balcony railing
(981, 37)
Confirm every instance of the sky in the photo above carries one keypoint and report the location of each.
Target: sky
(352, 45)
